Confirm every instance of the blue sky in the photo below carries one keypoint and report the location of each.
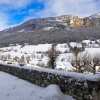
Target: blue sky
(13, 12)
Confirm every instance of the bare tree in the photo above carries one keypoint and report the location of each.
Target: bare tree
(95, 63)
(8, 57)
(16, 59)
(76, 62)
(85, 62)
(3, 58)
(28, 59)
(52, 54)
(22, 61)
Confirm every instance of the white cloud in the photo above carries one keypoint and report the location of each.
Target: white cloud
(3, 21)
(15, 3)
(74, 7)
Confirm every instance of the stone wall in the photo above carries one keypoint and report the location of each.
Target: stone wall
(79, 89)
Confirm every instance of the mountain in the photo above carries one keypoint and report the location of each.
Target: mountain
(53, 30)
(96, 15)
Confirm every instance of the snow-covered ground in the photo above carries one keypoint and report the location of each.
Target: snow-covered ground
(13, 88)
(37, 55)
(93, 51)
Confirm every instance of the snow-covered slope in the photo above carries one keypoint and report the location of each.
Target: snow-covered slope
(12, 88)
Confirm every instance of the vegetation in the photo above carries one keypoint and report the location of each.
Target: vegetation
(95, 63)
(76, 62)
(52, 54)
(22, 61)
(83, 62)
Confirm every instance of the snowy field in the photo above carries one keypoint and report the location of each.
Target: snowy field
(13, 88)
(37, 55)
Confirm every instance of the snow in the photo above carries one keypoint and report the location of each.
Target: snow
(74, 44)
(93, 51)
(86, 41)
(75, 75)
(64, 66)
(63, 47)
(80, 76)
(35, 48)
(48, 28)
(12, 88)
(37, 54)
(63, 61)
(22, 30)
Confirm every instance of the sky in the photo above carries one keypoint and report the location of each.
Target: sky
(13, 12)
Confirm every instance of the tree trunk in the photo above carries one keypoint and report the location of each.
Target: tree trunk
(94, 69)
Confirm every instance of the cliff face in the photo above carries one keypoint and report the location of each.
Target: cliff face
(75, 21)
